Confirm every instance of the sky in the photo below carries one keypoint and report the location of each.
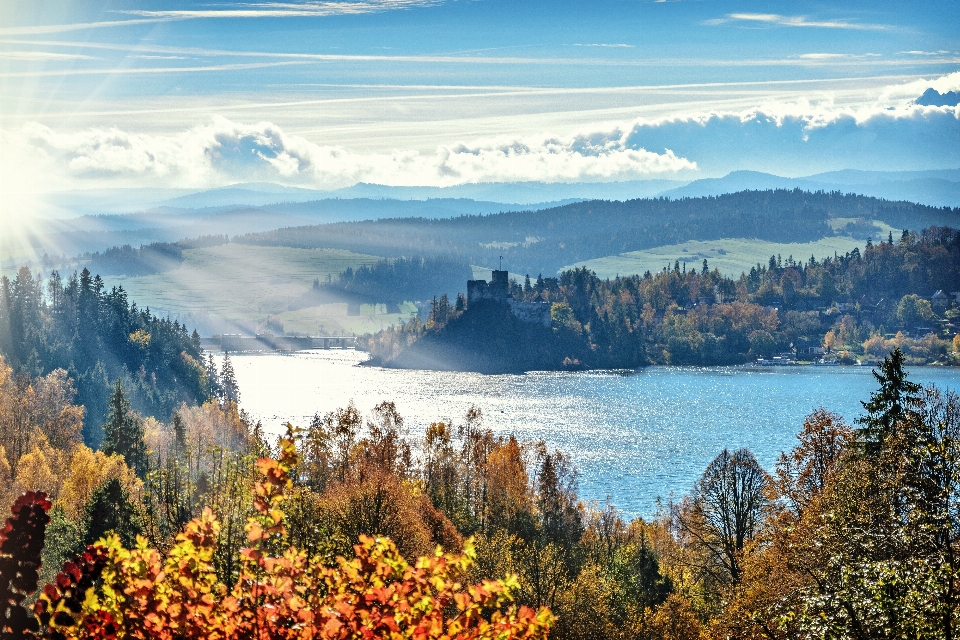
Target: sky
(325, 94)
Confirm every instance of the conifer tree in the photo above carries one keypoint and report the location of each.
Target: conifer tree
(123, 432)
(179, 434)
(110, 509)
(214, 388)
(228, 381)
(889, 405)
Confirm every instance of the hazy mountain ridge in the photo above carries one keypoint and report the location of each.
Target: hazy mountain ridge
(548, 239)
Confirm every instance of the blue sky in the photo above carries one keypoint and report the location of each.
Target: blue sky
(326, 94)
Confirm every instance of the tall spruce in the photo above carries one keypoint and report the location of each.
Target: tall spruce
(228, 381)
(889, 405)
(123, 431)
(111, 509)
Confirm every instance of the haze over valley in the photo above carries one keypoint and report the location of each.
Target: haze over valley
(621, 319)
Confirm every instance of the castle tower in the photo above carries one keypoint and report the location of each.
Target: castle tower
(500, 285)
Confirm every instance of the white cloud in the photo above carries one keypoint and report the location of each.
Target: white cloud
(838, 56)
(252, 10)
(776, 19)
(225, 152)
(286, 9)
(608, 46)
(797, 137)
(77, 26)
(910, 91)
(42, 56)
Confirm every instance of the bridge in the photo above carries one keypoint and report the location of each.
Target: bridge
(235, 342)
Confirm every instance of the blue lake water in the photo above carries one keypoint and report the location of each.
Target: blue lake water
(634, 435)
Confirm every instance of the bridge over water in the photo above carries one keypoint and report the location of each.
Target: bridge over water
(235, 342)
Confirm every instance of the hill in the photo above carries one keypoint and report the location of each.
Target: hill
(544, 241)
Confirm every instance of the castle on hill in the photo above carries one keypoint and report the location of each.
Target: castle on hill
(498, 290)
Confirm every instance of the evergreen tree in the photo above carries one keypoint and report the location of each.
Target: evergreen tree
(110, 509)
(228, 381)
(214, 386)
(888, 406)
(123, 432)
(179, 435)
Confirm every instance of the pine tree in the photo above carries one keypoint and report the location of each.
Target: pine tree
(179, 435)
(123, 432)
(110, 509)
(888, 406)
(214, 386)
(228, 381)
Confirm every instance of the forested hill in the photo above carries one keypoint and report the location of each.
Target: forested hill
(97, 335)
(546, 240)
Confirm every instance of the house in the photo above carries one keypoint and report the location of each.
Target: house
(939, 300)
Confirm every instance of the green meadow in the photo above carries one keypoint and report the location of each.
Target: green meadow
(731, 256)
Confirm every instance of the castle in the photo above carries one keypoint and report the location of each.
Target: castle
(499, 290)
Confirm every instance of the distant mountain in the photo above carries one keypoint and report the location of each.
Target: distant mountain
(527, 193)
(935, 188)
(91, 233)
(496, 196)
(938, 188)
(546, 240)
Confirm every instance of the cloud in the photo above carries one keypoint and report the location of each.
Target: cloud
(907, 92)
(609, 46)
(838, 56)
(225, 152)
(258, 10)
(805, 138)
(77, 26)
(787, 138)
(42, 56)
(287, 9)
(148, 70)
(775, 19)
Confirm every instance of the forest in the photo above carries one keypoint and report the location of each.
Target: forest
(200, 527)
(398, 280)
(97, 335)
(853, 307)
(547, 240)
(155, 257)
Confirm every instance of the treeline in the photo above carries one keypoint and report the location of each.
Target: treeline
(547, 240)
(699, 316)
(155, 257)
(852, 535)
(97, 335)
(201, 491)
(395, 281)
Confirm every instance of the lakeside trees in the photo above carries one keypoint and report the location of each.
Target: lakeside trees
(854, 534)
(854, 305)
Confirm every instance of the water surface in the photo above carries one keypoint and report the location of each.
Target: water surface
(634, 435)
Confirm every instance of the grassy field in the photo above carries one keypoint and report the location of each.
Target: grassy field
(236, 287)
(731, 256)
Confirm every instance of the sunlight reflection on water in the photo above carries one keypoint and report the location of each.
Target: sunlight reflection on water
(635, 435)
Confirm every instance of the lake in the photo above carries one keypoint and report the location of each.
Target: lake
(634, 435)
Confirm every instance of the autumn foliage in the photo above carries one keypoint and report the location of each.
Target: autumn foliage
(113, 592)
